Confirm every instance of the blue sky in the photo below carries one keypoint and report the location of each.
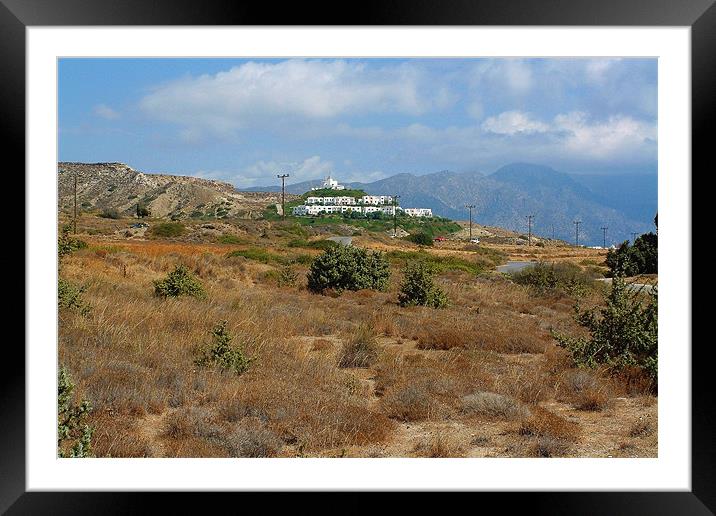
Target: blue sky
(243, 120)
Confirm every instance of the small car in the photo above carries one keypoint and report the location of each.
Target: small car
(440, 239)
(475, 241)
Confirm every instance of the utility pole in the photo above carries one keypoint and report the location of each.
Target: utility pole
(395, 213)
(75, 218)
(552, 231)
(576, 229)
(470, 207)
(529, 218)
(604, 231)
(283, 177)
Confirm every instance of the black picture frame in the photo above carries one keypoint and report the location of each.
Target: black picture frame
(700, 15)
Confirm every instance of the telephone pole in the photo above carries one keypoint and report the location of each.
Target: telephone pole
(283, 177)
(604, 231)
(74, 222)
(470, 207)
(576, 232)
(395, 213)
(529, 218)
(552, 231)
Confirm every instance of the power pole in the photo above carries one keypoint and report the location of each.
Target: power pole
(552, 231)
(604, 231)
(283, 177)
(395, 213)
(529, 218)
(576, 234)
(75, 217)
(470, 207)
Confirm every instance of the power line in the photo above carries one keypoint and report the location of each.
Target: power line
(576, 232)
(283, 194)
(529, 218)
(604, 231)
(470, 207)
(395, 212)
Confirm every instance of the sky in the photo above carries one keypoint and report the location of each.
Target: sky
(246, 120)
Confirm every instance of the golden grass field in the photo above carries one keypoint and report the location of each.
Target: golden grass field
(481, 378)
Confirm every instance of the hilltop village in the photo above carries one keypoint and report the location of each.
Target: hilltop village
(365, 205)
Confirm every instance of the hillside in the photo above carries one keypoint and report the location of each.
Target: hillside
(116, 186)
(623, 203)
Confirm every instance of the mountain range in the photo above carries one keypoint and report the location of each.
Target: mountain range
(623, 203)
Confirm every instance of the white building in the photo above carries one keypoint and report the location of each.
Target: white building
(418, 212)
(331, 184)
(376, 199)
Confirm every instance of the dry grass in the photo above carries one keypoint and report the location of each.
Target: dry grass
(487, 355)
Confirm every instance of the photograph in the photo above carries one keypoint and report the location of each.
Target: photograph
(358, 257)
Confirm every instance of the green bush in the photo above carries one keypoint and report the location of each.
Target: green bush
(550, 278)
(69, 296)
(287, 277)
(109, 213)
(142, 211)
(74, 437)
(421, 239)
(67, 244)
(179, 282)
(221, 353)
(168, 229)
(418, 287)
(231, 239)
(622, 334)
(641, 258)
(348, 268)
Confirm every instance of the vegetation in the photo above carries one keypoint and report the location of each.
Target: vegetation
(551, 278)
(478, 263)
(231, 239)
(418, 287)
(179, 282)
(641, 258)
(69, 296)
(168, 229)
(74, 435)
(421, 239)
(348, 268)
(623, 334)
(313, 244)
(259, 255)
(287, 277)
(327, 192)
(360, 350)
(222, 354)
(67, 244)
(142, 210)
(109, 213)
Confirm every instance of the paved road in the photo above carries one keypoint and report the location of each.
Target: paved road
(342, 240)
(634, 287)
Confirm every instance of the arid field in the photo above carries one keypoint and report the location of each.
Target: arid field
(482, 377)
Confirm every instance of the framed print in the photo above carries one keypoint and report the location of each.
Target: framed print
(418, 252)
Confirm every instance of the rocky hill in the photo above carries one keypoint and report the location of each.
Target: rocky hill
(116, 186)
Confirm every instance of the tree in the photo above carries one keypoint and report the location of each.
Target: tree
(142, 211)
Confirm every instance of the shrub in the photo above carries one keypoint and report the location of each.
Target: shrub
(74, 436)
(67, 244)
(360, 350)
(222, 353)
(287, 277)
(230, 239)
(641, 258)
(252, 439)
(549, 278)
(421, 239)
(142, 211)
(418, 287)
(348, 268)
(179, 282)
(168, 229)
(492, 404)
(69, 296)
(623, 334)
(109, 213)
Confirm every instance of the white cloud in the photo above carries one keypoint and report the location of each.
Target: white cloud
(513, 122)
(596, 69)
(255, 93)
(106, 112)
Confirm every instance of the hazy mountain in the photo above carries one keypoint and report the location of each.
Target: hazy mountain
(622, 203)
